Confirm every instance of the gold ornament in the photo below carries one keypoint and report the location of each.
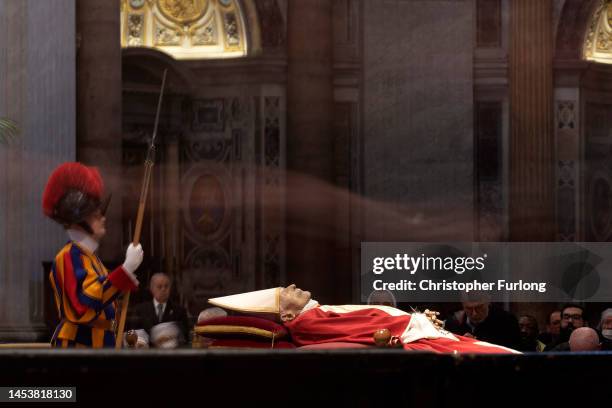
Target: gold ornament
(182, 11)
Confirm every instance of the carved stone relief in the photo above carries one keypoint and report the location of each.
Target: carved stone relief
(182, 11)
(166, 36)
(135, 29)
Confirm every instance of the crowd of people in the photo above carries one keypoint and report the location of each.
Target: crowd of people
(567, 329)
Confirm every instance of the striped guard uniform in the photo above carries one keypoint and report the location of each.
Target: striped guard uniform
(85, 294)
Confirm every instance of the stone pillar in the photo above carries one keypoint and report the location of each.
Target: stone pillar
(532, 140)
(310, 208)
(37, 79)
(99, 105)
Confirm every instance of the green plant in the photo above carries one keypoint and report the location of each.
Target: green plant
(8, 130)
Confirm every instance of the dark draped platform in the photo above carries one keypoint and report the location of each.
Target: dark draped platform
(345, 377)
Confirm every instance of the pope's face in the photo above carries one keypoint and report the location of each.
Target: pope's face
(292, 301)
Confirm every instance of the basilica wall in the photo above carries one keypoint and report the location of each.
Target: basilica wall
(418, 116)
(290, 132)
(38, 92)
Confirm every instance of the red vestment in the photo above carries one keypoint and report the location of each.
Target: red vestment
(357, 324)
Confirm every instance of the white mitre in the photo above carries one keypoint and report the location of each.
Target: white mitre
(261, 303)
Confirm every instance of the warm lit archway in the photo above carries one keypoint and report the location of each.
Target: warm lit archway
(598, 40)
(186, 29)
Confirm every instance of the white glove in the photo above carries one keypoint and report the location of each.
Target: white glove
(133, 258)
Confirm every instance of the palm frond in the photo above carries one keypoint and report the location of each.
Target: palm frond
(8, 130)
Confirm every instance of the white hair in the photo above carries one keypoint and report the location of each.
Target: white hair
(165, 335)
(604, 315)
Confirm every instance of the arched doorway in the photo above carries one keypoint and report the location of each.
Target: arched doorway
(215, 221)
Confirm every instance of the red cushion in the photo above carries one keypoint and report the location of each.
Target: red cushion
(241, 327)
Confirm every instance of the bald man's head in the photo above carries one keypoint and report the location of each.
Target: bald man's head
(584, 339)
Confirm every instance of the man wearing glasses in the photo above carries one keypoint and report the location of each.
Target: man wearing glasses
(572, 317)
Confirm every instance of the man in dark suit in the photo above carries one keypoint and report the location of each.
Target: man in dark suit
(483, 322)
(160, 309)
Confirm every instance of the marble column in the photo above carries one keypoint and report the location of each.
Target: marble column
(531, 209)
(310, 208)
(37, 78)
(99, 105)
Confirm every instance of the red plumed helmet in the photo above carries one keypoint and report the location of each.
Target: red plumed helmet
(73, 192)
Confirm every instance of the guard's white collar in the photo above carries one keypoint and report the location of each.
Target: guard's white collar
(83, 239)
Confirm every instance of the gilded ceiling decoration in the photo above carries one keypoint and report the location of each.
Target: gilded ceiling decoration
(185, 29)
(598, 41)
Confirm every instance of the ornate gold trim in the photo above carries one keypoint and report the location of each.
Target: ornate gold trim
(183, 11)
(597, 45)
(186, 29)
(162, 34)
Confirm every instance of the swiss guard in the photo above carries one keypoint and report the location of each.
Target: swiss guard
(85, 291)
